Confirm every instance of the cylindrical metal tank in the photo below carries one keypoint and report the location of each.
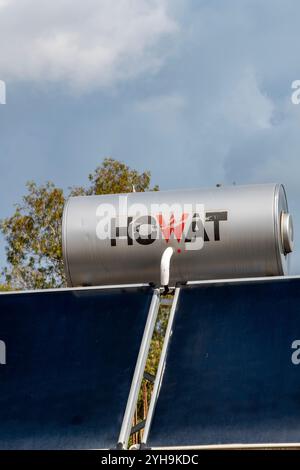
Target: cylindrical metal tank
(220, 232)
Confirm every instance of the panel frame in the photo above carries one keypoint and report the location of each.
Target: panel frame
(242, 280)
(277, 446)
(74, 289)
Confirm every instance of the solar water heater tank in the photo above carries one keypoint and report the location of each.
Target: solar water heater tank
(215, 233)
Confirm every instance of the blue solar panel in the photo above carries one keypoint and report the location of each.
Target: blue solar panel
(232, 369)
(70, 358)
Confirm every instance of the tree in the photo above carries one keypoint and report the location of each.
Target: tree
(33, 232)
(33, 237)
(114, 177)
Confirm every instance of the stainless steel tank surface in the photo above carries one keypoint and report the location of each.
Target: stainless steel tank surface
(215, 233)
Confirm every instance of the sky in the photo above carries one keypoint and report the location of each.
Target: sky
(196, 91)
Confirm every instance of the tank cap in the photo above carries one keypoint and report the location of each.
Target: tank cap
(287, 232)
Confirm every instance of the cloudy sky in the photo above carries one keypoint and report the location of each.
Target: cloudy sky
(196, 91)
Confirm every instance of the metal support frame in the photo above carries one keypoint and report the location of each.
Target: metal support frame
(160, 369)
(149, 377)
(138, 373)
(138, 427)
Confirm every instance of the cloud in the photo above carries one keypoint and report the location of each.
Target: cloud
(161, 104)
(203, 96)
(246, 106)
(88, 44)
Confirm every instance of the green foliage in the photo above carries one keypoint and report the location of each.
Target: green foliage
(5, 288)
(33, 237)
(33, 232)
(114, 177)
(157, 340)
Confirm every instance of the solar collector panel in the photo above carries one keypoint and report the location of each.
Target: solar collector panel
(70, 359)
(229, 376)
